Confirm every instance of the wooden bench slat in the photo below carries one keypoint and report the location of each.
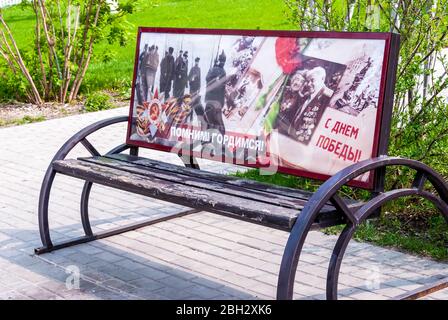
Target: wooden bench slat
(199, 182)
(212, 201)
(185, 190)
(268, 189)
(250, 184)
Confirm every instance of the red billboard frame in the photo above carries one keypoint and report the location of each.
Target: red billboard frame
(385, 101)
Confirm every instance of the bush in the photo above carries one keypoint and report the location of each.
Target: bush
(97, 101)
(65, 35)
(419, 122)
(419, 127)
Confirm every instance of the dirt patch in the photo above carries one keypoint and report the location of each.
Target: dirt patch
(20, 113)
(10, 114)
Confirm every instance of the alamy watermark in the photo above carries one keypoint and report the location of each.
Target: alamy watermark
(373, 278)
(73, 279)
(373, 17)
(233, 149)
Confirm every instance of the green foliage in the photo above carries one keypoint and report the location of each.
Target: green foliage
(279, 179)
(97, 101)
(419, 121)
(111, 65)
(419, 126)
(410, 224)
(430, 239)
(12, 86)
(291, 181)
(65, 36)
(124, 89)
(30, 119)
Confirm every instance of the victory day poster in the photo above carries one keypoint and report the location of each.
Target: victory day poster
(298, 104)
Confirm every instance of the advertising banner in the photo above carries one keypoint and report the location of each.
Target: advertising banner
(306, 103)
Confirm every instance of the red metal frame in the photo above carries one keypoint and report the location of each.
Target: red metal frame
(380, 120)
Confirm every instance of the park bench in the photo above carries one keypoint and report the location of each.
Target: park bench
(311, 104)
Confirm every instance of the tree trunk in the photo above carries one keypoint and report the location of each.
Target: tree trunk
(18, 59)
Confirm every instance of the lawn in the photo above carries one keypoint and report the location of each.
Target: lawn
(219, 14)
(427, 235)
(409, 224)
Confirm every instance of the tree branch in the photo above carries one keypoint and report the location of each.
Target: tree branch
(78, 81)
(18, 57)
(39, 54)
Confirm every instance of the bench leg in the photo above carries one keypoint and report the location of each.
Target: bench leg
(44, 199)
(291, 255)
(85, 208)
(363, 213)
(85, 195)
(48, 245)
(353, 215)
(336, 260)
(44, 230)
(112, 232)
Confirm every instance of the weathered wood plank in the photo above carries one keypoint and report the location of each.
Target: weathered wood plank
(208, 184)
(189, 196)
(268, 189)
(159, 165)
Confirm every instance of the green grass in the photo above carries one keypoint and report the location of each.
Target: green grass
(408, 224)
(21, 121)
(219, 14)
(280, 179)
(430, 238)
(430, 241)
(21, 23)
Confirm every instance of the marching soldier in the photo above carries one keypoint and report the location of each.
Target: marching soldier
(181, 76)
(167, 67)
(214, 94)
(151, 64)
(194, 78)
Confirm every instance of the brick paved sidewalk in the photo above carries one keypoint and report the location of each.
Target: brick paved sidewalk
(201, 256)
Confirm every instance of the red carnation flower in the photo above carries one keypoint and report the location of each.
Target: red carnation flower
(287, 54)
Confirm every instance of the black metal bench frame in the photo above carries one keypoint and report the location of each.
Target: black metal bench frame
(352, 216)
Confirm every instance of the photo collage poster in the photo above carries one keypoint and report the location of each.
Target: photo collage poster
(297, 104)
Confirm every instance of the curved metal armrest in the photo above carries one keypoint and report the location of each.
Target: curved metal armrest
(328, 189)
(47, 182)
(80, 137)
(328, 192)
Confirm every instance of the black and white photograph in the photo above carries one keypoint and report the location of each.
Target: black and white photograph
(251, 98)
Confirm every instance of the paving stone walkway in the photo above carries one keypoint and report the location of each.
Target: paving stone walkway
(201, 256)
